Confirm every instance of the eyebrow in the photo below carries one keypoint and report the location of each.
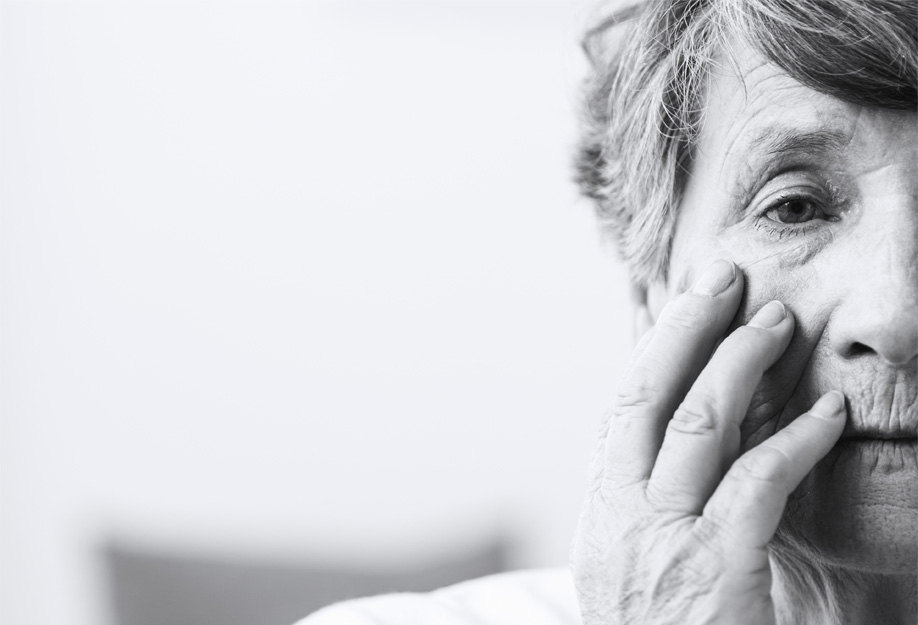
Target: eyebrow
(780, 140)
(770, 146)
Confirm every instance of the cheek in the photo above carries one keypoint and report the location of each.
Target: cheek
(788, 388)
(779, 276)
(792, 385)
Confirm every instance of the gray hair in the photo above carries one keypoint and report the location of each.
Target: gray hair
(644, 98)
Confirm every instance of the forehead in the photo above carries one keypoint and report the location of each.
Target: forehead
(755, 115)
(752, 104)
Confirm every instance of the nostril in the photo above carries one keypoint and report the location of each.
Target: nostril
(858, 349)
(882, 330)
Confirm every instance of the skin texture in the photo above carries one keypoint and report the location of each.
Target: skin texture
(816, 202)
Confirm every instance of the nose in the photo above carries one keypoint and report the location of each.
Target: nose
(880, 314)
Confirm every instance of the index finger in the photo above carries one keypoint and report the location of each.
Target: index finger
(659, 377)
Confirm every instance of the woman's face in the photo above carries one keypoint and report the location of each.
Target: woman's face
(817, 201)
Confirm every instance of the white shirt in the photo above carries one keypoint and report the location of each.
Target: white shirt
(539, 597)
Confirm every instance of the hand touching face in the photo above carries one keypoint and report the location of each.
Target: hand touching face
(677, 523)
(728, 422)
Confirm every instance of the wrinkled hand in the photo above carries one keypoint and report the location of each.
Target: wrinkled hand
(676, 523)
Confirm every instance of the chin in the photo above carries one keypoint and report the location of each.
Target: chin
(858, 509)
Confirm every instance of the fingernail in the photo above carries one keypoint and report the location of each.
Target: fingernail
(830, 406)
(770, 315)
(716, 278)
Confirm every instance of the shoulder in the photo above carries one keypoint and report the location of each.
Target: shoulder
(538, 597)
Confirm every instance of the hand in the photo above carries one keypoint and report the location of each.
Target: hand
(676, 523)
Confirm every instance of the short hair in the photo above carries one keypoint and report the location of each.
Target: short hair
(644, 96)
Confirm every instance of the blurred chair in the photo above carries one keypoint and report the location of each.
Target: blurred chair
(149, 587)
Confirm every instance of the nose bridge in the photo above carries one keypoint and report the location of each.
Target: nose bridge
(890, 258)
(882, 284)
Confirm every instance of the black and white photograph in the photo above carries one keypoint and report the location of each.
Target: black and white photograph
(459, 312)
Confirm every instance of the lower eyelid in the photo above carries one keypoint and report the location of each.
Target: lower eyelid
(782, 231)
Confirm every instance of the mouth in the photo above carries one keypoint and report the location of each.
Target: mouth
(880, 442)
(901, 443)
(854, 432)
(882, 438)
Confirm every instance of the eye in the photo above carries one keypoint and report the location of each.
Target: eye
(802, 205)
(795, 210)
(796, 214)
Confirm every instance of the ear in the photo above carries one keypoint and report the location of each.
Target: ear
(647, 303)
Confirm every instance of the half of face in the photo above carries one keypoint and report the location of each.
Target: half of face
(816, 200)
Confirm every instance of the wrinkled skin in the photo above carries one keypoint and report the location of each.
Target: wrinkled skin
(814, 200)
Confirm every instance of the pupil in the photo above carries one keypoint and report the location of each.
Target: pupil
(796, 211)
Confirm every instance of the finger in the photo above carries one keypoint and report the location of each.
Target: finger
(639, 350)
(597, 461)
(748, 504)
(705, 428)
(681, 342)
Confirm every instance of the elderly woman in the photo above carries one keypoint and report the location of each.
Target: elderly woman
(757, 163)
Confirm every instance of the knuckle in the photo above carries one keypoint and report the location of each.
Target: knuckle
(633, 397)
(696, 415)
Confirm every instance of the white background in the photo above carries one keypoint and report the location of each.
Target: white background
(293, 280)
